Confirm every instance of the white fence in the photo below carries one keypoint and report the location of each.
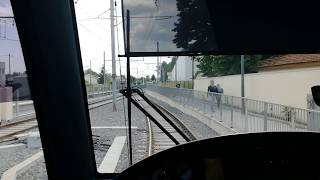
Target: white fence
(23, 108)
(243, 114)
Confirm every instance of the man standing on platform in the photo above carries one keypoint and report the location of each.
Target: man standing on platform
(212, 90)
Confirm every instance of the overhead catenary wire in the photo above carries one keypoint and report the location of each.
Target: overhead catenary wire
(118, 43)
(134, 17)
(104, 12)
(94, 34)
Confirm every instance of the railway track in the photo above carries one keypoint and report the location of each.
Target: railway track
(28, 122)
(158, 140)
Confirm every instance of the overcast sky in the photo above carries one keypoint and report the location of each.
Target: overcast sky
(146, 31)
(94, 37)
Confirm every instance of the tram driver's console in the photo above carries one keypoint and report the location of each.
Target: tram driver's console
(274, 155)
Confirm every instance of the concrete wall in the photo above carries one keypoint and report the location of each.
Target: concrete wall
(288, 87)
(5, 104)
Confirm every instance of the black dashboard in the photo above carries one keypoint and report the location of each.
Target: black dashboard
(272, 155)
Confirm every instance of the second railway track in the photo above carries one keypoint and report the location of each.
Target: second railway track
(28, 122)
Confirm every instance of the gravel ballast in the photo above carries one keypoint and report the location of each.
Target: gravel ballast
(103, 138)
(10, 157)
(37, 170)
(104, 116)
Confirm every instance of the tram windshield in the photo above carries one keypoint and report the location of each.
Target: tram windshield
(187, 85)
(204, 96)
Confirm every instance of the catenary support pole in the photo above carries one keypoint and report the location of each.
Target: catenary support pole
(242, 83)
(158, 64)
(113, 51)
(104, 71)
(129, 91)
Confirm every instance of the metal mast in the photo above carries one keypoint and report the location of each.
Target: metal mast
(113, 53)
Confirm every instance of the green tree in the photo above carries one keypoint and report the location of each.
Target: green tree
(101, 76)
(169, 66)
(153, 78)
(193, 28)
(228, 64)
(164, 71)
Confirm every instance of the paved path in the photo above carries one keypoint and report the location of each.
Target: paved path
(230, 118)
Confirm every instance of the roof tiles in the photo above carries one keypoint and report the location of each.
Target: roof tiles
(291, 59)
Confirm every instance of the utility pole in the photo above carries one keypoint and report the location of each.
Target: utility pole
(113, 53)
(90, 74)
(242, 76)
(104, 70)
(192, 77)
(242, 84)
(158, 63)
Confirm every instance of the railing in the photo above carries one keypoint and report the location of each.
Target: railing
(243, 114)
(99, 94)
(181, 84)
(25, 107)
(97, 88)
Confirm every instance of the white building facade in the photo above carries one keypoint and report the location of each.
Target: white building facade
(184, 69)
